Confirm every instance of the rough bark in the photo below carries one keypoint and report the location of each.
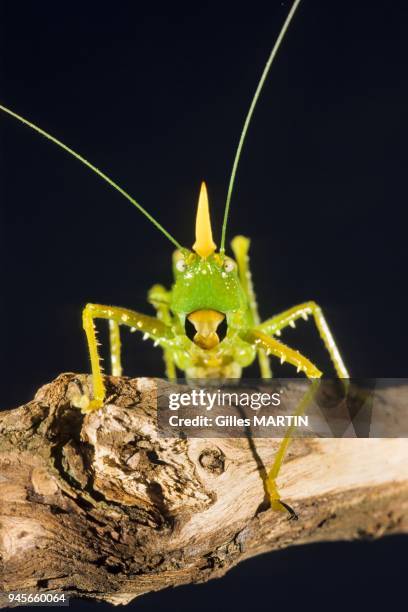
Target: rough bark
(101, 507)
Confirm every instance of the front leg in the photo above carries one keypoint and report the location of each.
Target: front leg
(150, 326)
(289, 317)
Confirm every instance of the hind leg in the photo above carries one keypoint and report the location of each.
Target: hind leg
(271, 486)
(273, 347)
(240, 248)
(289, 317)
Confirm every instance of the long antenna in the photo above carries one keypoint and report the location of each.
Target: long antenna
(94, 169)
(249, 117)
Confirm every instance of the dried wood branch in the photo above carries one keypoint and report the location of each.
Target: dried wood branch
(101, 507)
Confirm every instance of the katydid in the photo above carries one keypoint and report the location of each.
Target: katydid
(210, 289)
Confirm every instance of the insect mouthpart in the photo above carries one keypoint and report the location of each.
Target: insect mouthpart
(206, 328)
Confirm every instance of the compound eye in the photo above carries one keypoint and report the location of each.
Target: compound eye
(229, 265)
(181, 265)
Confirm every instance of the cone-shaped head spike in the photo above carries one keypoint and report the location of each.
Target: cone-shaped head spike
(204, 244)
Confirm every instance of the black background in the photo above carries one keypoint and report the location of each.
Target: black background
(156, 96)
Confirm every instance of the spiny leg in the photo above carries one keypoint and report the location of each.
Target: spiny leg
(159, 297)
(150, 326)
(287, 318)
(284, 353)
(240, 248)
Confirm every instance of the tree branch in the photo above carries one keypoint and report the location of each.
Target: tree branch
(100, 506)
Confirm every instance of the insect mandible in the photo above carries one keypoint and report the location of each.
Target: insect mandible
(210, 290)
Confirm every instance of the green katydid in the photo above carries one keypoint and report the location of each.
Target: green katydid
(210, 288)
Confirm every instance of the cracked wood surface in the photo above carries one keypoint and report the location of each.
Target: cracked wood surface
(101, 507)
